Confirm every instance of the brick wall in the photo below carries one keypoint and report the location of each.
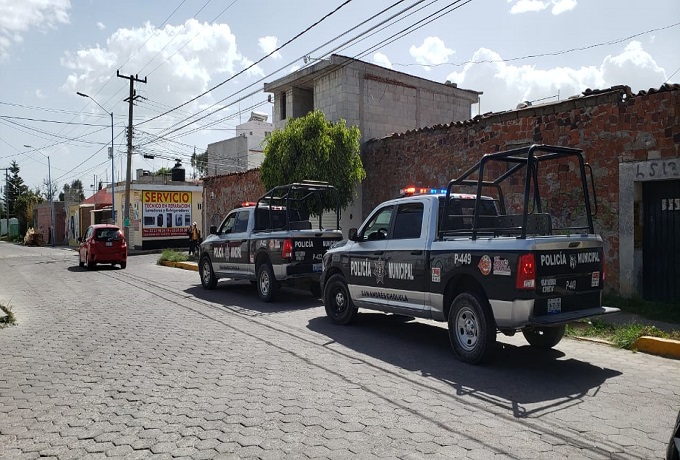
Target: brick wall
(611, 126)
(221, 194)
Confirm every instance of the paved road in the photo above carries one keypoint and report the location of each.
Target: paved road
(143, 362)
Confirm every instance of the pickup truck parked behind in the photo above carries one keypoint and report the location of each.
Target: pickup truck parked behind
(481, 262)
(281, 238)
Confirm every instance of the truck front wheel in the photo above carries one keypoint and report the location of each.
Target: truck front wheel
(472, 330)
(339, 306)
(544, 337)
(208, 278)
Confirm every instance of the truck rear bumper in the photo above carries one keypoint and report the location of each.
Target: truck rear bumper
(519, 313)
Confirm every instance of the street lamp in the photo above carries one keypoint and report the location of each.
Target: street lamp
(113, 180)
(49, 184)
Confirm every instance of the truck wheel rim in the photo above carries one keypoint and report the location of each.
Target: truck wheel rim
(206, 272)
(264, 283)
(467, 328)
(340, 301)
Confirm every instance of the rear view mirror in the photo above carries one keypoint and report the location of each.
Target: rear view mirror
(353, 234)
(213, 229)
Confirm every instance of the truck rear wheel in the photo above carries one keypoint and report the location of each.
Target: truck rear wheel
(544, 337)
(266, 282)
(339, 306)
(472, 330)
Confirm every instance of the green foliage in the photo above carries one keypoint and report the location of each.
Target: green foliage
(23, 208)
(73, 192)
(658, 311)
(200, 162)
(621, 335)
(312, 148)
(169, 255)
(163, 172)
(15, 188)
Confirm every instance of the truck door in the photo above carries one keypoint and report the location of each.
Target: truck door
(405, 259)
(367, 260)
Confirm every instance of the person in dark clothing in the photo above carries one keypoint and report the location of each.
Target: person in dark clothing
(194, 235)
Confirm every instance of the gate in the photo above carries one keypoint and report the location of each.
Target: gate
(661, 241)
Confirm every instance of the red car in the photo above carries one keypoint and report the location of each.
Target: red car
(103, 244)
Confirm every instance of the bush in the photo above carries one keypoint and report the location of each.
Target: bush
(170, 255)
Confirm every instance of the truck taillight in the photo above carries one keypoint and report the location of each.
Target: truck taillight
(526, 272)
(287, 249)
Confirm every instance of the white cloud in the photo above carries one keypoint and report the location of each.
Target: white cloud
(506, 85)
(382, 60)
(633, 67)
(101, 26)
(180, 61)
(268, 44)
(525, 6)
(433, 51)
(39, 94)
(561, 6)
(17, 17)
(533, 6)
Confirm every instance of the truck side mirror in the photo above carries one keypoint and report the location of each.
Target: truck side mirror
(353, 234)
(213, 229)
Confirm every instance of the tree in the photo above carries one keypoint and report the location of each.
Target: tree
(312, 148)
(46, 187)
(15, 188)
(24, 208)
(73, 192)
(200, 162)
(163, 172)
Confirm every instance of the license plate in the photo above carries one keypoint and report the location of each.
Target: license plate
(109, 243)
(554, 305)
(317, 267)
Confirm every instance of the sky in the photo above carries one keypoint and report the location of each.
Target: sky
(204, 63)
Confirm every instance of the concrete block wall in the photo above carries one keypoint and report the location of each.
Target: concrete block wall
(612, 127)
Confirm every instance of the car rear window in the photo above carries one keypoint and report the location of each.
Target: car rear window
(106, 233)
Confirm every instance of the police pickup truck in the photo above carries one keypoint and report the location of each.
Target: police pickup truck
(281, 238)
(497, 261)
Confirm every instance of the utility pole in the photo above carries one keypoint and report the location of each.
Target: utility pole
(131, 99)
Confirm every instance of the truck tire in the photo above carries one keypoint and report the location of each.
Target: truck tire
(266, 282)
(472, 330)
(315, 289)
(339, 306)
(208, 278)
(544, 337)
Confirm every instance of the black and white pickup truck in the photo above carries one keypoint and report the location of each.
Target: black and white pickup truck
(483, 262)
(281, 238)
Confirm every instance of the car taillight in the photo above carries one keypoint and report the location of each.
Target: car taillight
(526, 272)
(287, 249)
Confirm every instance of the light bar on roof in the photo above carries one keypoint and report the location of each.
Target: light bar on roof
(411, 191)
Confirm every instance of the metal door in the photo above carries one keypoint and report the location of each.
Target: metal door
(661, 240)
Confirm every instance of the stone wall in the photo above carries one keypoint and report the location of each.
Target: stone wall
(221, 194)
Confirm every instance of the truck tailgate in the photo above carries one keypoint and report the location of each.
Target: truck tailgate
(568, 282)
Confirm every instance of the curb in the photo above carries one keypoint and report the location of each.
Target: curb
(657, 346)
(184, 265)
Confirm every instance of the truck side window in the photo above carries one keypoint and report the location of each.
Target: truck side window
(241, 224)
(228, 224)
(378, 227)
(408, 221)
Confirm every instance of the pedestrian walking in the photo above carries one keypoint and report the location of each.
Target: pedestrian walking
(194, 238)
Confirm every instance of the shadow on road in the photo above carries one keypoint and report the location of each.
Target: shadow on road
(99, 267)
(242, 296)
(513, 378)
